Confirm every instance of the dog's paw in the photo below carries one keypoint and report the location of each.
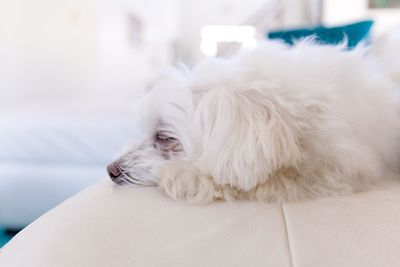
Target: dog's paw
(181, 182)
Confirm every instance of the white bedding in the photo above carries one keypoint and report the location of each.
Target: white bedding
(45, 157)
(67, 138)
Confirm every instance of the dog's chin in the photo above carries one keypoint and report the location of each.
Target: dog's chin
(122, 182)
(126, 181)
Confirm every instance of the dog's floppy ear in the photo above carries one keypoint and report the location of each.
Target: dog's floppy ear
(245, 136)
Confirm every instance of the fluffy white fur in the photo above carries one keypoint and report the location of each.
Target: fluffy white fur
(273, 124)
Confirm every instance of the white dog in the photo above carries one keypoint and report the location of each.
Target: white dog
(272, 124)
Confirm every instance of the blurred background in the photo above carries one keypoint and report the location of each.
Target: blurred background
(71, 70)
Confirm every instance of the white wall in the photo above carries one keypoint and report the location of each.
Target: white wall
(57, 50)
(46, 47)
(345, 11)
(122, 66)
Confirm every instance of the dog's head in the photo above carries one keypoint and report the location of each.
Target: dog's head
(223, 125)
(163, 117)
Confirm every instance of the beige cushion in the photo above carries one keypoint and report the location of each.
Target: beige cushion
(109, 226)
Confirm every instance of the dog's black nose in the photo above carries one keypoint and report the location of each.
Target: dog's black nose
(113, 170)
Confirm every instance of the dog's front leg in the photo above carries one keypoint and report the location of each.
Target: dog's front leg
(181, 181)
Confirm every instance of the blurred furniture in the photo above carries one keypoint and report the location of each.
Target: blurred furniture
(110, 226)
(352, 34)
(45, 157)
(4, 237)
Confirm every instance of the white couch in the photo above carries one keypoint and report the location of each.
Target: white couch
(110, 226)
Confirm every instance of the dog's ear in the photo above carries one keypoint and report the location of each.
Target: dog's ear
(245, 136)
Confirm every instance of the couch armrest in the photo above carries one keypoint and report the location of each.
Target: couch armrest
(110, 226)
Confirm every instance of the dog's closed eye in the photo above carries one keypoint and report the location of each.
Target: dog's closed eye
(167, 143)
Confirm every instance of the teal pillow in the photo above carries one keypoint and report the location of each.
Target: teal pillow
(4, 238)
(352, 33)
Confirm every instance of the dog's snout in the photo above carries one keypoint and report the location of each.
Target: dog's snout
(114, 170)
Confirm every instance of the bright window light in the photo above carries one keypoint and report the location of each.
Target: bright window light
(209, 48)
(211, 35)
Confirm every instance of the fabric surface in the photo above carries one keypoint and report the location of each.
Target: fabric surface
(110, 226)
(64, 138)
(29, 190)
(352, 33)
(47, 156)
